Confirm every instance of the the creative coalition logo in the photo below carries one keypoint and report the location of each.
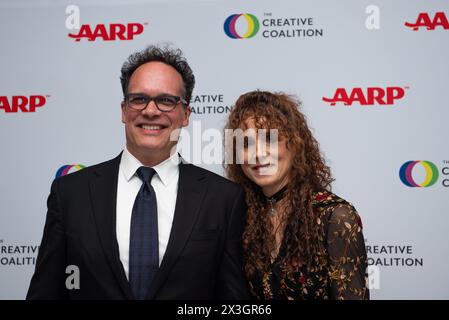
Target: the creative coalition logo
(209, 104)
(17, 254)
(248, 25)
(105, 32)
(15, 104)
(423, 173)
(393, 255)
(424, 21)
(66, 169)
(431, 175)
(252, 26)
(367, 97)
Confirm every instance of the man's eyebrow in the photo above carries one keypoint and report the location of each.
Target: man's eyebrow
(158, 95)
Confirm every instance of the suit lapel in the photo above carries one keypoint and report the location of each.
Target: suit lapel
(103, 190)
(191, 190)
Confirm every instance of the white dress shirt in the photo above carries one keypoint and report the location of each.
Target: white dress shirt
(165, 184)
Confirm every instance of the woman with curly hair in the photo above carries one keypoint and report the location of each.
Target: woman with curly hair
(301, 241)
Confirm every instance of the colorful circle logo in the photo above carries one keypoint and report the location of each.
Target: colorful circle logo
(431, 173)
(251, 20)
(65, 170)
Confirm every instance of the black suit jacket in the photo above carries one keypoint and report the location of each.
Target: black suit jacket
(203, 259)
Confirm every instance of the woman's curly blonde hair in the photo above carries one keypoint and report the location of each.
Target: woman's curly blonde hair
(309, 174)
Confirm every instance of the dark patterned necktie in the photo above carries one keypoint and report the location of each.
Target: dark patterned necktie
(144, 243)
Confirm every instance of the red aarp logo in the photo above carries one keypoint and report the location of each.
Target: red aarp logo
(111, 32)
(424, 20)
(22, 103)
(368, 97)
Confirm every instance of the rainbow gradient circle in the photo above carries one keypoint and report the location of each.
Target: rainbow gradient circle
(229, 26)
(405, 174)
(64, 170)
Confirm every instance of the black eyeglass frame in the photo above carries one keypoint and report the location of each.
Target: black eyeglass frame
(149, 99)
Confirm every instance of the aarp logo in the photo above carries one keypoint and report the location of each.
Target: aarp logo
(101, 31)
(425, 21)
(371, 96)
(22, 103)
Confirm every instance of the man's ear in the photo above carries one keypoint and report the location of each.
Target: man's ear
(187, 112)
(123, 111)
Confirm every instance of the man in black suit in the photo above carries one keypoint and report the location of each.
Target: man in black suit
(145, 225)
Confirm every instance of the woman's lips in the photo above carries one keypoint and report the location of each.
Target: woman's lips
(261, 166)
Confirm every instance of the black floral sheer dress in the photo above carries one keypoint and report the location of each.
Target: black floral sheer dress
(338, 271)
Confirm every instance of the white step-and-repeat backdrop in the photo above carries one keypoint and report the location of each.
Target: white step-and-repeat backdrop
(373, 77)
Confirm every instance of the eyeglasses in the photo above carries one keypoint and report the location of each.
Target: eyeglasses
(164, 103)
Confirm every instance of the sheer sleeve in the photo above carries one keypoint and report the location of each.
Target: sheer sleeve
(347, 254)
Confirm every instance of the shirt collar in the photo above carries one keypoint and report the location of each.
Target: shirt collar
(166, 170)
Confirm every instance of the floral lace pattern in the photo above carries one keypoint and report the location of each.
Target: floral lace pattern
(339, 269)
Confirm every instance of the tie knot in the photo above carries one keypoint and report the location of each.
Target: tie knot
(146, 173)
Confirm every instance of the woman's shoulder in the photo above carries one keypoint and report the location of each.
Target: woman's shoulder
(326, 198)
(331, 207)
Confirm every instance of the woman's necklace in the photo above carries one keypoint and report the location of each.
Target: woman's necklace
(275, 198)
